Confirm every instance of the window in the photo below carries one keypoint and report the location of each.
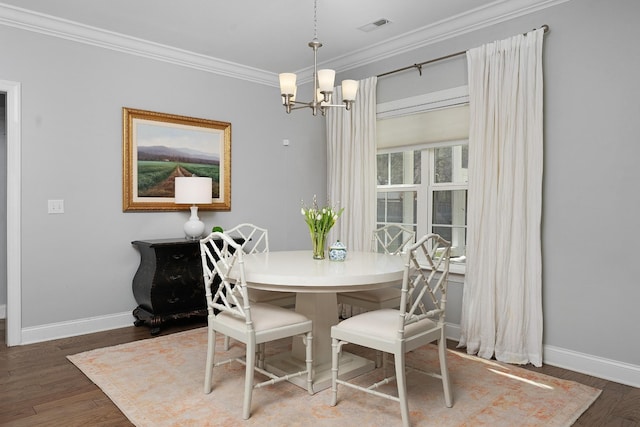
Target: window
(426, 190)
(422, 166)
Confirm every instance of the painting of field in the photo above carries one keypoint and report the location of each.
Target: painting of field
(159, 147)
(156, 179)
(158, 167)
(164, 154)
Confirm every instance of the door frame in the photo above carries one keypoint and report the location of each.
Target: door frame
(14, 246)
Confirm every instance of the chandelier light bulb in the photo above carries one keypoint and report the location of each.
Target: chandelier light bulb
(287, 83)
(325, 80)
(349, 90)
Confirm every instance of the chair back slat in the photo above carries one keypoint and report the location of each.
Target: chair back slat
(425, 277)
(256, 239)
(392, 239)
(221, 257)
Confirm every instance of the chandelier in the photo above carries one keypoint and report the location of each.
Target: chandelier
(322, 81)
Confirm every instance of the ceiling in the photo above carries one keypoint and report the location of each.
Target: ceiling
(261, 38)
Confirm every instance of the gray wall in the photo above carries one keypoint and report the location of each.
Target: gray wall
(591, 201)
(80, 264)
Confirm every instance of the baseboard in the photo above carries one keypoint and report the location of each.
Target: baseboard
(612, 370)
(3, 311)
(72, 328)
(452, 331)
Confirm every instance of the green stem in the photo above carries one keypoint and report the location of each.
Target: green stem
(318, 241)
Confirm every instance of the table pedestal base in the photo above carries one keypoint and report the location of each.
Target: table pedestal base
(350, 366)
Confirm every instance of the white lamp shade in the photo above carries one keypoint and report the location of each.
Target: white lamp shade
(325, 80)
(193, 190)
(349, 90)
(287, 84)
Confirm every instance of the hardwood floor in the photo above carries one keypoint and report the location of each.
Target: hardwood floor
(40, 387)
(617, 406)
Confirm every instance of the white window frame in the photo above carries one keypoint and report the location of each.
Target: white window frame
(419, 104)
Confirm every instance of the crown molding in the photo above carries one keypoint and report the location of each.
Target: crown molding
(74, 31)
(498, 11)
(475, 19)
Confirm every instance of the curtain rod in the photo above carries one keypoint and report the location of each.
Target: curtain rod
(545, 27)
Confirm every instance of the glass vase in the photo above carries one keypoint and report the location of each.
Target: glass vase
(318, 240)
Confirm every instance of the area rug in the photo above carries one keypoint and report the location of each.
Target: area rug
(159, 382)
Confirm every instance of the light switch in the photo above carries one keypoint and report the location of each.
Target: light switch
(285, 142)
(56, 206)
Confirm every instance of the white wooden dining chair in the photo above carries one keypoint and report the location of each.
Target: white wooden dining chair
(418, 321)
(389, 239)
(232, 313)
(256, 240)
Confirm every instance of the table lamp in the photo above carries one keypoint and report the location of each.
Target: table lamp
(193, 190)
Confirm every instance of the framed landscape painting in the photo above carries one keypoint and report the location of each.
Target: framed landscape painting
(158, 147)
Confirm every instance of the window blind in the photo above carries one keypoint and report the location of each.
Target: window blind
(427, 127)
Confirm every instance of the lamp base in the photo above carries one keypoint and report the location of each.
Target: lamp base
(193, 228)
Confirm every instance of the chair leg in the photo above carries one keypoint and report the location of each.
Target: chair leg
(444, 371)
(261, 354)
(211, 350)
(385, 364)
(248, 380)
(226, 343)
(335, 354)
(402, 387)
(309, 361)
(379, 358)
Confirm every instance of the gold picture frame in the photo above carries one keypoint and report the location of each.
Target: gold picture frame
(157, 147)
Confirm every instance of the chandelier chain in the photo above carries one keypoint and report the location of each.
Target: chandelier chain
(315, 19)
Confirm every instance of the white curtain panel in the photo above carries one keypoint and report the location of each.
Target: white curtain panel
(351, 171)
(502, 301)
(351, 166)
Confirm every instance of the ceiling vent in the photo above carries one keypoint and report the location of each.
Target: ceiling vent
(374, 25)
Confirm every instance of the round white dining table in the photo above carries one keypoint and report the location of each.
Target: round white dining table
(316, 283)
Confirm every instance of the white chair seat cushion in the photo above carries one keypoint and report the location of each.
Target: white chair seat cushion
(382, 324)
(376, 295)
(263, 316)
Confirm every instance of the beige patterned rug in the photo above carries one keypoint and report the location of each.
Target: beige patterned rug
(158, 382)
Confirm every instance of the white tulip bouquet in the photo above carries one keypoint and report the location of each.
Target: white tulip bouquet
(320, 220)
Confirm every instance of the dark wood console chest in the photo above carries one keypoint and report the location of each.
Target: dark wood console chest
(169, 284)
